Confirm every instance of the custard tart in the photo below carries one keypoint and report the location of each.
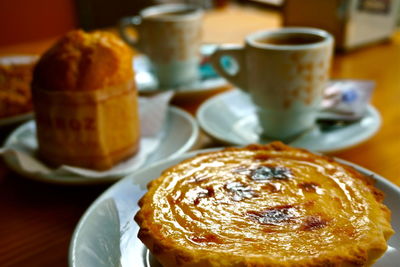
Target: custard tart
(263, 205)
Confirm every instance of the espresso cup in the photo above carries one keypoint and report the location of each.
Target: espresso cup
(170, 35)
(285, 71)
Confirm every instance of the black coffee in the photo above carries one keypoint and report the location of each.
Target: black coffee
(291, 39)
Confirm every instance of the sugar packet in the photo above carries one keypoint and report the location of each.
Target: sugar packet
(346, 100)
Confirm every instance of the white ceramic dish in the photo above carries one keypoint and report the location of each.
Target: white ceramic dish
(231, 118)
(178, 135)
(106, 235)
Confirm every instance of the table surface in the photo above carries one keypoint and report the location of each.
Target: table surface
(38, 219)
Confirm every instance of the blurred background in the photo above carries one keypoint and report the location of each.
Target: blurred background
(352, 22)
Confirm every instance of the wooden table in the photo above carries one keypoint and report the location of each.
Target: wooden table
(37, 220)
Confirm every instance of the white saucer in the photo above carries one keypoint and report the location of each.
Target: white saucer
(230, 117)
(106, 235)
(179, 133)
(147, 82)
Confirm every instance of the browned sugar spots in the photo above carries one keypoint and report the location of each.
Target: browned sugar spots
(262, 157)
(313, 222)
(309, 187)
(271, 188)
(204, 193)
(279, 215)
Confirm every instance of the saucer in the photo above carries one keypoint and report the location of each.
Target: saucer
(106, 235)
(209, 80)
(231, 118)
(177, 135)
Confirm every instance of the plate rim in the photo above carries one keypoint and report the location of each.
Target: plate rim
(205, 126)
(89, 211)
(83, 181)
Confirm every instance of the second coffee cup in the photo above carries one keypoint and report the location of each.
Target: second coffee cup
(285, 71)
(170, 35)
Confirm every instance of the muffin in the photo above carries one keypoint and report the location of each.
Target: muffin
(85, 101)
(263, 205)
(15, 84)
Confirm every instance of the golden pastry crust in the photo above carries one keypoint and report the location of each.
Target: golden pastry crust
(263, 205)
(15, 86)
(85, 101)
(83, 61)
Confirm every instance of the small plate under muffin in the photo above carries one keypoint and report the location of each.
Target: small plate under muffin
(177, 135)
(107, 235)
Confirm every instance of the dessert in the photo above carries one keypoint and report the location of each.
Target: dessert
(263, 205)
(85, 101)
(15, 85)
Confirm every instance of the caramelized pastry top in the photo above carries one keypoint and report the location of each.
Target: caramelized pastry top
(84, 61)
(263, 205)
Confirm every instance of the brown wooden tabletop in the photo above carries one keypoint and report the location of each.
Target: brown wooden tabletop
(37, 219)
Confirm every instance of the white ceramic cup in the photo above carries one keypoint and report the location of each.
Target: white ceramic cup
(285, 71)
(170, 35)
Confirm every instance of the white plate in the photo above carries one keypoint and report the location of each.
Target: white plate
(106, 235)
(231, 118)
(179, 134)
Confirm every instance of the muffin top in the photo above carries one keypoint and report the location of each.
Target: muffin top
(82, 61)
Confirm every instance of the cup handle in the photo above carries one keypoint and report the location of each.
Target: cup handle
(237, 53)
(126, 22)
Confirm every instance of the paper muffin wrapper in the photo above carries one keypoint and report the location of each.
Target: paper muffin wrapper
(90, 129)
